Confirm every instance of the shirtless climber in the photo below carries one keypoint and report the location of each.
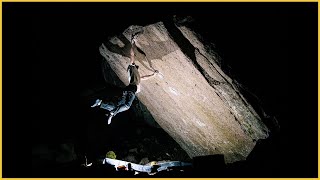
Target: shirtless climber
(128, 93)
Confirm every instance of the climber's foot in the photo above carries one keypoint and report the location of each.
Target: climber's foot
(110, 117)
(97, 103)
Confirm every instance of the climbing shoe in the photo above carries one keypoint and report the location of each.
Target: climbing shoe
(97, 103)
(110, 117)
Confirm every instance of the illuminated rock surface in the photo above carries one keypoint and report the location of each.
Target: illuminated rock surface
(192, 99)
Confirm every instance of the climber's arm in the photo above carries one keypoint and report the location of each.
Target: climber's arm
(132, 55)
(149, 76)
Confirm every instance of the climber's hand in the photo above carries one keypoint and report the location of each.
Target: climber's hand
(133, 39)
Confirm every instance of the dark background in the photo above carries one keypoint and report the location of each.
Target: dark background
(50, 54)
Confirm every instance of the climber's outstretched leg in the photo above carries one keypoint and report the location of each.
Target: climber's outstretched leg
(122, 106)
(110, 106)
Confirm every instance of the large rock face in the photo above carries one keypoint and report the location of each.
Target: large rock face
(192, 99)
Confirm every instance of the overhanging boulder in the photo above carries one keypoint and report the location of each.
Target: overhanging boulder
(192, 99)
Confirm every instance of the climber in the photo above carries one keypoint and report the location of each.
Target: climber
(128, 93)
